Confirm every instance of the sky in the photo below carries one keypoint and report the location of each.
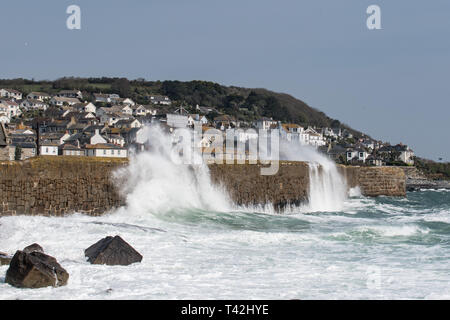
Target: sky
(392, 83)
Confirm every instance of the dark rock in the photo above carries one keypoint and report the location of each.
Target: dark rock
(112, 251)
(35, 270)
(4, 259)
(32, 248)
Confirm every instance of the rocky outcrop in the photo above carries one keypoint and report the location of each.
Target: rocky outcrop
(35, 270)
(416, 180)
(5, 259)
(112, 251)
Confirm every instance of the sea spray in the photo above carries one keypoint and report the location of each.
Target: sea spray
(156, 182)
(327, 186)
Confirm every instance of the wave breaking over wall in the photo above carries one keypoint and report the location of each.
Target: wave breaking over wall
(154, 182)
(327, 186)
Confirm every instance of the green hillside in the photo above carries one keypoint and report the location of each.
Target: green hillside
(243, 103)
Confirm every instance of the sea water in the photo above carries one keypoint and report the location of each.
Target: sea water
(197, 245)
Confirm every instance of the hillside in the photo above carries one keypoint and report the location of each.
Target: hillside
(243, 103)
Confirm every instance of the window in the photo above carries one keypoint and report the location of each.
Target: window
(104, 151)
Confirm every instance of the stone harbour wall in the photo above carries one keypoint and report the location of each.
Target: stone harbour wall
(376, 181)
(55, 186)
(246, 186)
(58, 186)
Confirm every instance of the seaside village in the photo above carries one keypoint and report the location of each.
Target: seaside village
(72, 123)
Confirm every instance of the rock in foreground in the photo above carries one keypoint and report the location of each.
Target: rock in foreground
(112, 251)
(33, 247)
(4, 259)
(35, 270)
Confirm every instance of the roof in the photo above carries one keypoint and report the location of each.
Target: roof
(102, 146)
(12, 91)
(224, 117)
(34, 101)
(10, 102)
(159, 98)
(24, 144)
(69, 91)
(48, 143)
(64, 99)
(69, 146)
(36, 93)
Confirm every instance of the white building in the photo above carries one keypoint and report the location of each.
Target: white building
(357, 154)
(48, 149)
(265, 123)
(106, 150)
(41, 96)
(313, 138)
(60, 101)
(128, 101)
(11, 94)
(13, 109)
(31, 104)
(162, 100)
(97, 138)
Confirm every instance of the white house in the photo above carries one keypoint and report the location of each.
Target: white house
(100, 97)
(126, 110)
(128, 123)
(48, 149)
(313, 138)
(60, 101)
(31, 104)
(97, 138)
(106, 150)
(357, 154)
(196, 118)
(13, 108)
(4, 113)
(265, 123)
(112, 118)
(406, 155)
(143, 110)
(128, 101)
(11, 94)
(41, 96)
(162, 100)
(70, 94)
(86, 107)
(71, 150)
(117, 140)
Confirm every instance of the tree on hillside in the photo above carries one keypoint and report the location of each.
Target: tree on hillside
(122, 87)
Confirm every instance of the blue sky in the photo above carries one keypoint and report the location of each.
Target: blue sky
(390, 83)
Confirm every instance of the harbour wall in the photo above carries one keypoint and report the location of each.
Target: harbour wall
(56, 186)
